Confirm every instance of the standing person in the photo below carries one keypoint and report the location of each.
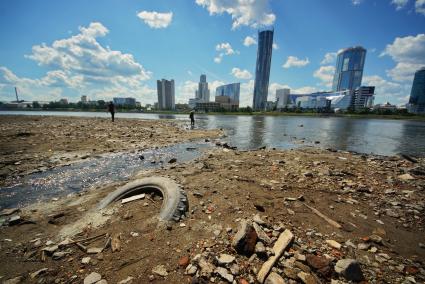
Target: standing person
(111, 109)
(192, 118)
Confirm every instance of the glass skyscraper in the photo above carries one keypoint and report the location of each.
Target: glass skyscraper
(262, 69)
(231, 90)
(349, 69)
(417, 95)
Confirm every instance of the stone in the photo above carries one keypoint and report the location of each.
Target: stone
(103, 281)
(225, 259)
(245, 239)
(223, 273)
(59, 254)
(350, 269)
(320, 263)
(307, 278)
(15, 280)
(235, 269)
(160, 270)
(405, 177)
(92, 278)
(184, 261)
(172, 160)
(94, 250)
(290, 273)
(85, 260)
(14, 220)
(274, 278)
(257, 219)
(260, 248)
(51, 249)
(376, 239)
(363, 246)
(206, 268)
(333, 244)
(38, 272)
(191, 269)
(127, 280)
(261, 234)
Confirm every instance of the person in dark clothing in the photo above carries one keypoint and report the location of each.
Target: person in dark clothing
(192, 118)
(111, 109)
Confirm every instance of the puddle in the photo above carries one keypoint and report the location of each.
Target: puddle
(93, 172)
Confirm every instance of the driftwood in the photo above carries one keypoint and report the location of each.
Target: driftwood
(324, 217)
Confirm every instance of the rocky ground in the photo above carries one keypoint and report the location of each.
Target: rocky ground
(36, 143)
(267, 216)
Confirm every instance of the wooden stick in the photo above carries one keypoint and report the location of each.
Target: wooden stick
(324, 217)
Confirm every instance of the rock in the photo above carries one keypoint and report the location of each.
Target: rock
(405, 177)
(225, 259)
(38, 272)
(260, 248)
(261, 234)
(274, 278)
(51, 249)
(363, 246)
(160, 270)
(14, 220)
(307, 278)
(15, 280)
(59, 254)
(206, 268)
(245, 239)
(376, 239)
(191, 269)
(94, 250)
(350, 269)
(319, 263)
(223, 273)
(290, 273)
(184, 261)
(116, 243)
(85, 260)
(257, 219)
(103, 281)
(172, 160)
(235, 269)
(127, 280)
(92, 278)
(333, 244)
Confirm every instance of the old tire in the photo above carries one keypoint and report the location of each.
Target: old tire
(175, 203)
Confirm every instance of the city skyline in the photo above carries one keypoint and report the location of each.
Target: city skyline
(131, 47)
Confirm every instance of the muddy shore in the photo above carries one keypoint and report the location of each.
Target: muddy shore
(378, 202)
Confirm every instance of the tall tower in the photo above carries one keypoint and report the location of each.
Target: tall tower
(417, 95)
(166, 98)
(262, 69)
(203, 93)
(349, 69)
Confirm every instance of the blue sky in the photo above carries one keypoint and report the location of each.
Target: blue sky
(64, 49)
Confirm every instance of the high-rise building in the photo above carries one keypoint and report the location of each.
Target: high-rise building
(124, 101)
(282, 98)
(203, 93)
(417, 94)
(230, 90)
(262, 69)
(166, 98)
(349, 69)
(84, 99)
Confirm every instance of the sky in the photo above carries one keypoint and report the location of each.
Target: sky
(53, 49)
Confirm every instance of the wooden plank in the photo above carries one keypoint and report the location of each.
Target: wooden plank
(132, 198)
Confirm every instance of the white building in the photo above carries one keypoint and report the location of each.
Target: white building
(166, 96)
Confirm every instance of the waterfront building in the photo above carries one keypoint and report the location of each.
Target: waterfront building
(118, 101)
(166, 97)
(417, 94)
(349, 69)
(84, 99)
(230, 90)
(363, 97)
(63, 101)
(209, 106)
(262, 69)
(282, 98)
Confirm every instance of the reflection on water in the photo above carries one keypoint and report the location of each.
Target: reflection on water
(379, 136)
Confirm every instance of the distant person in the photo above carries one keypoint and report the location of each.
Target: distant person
(111, 109)
(192, 118)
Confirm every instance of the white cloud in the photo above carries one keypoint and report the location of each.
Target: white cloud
(399, 4)
(186, 91)
(156, 20)
(275, 46)
(356, 2)
(81, 65)
(225, 49)
(253, 13)
(387, 91)
(241, 74)
(329, 58)
(294, 61)
(408, 53)
(248, 41)
(420, 7)
(325, 74)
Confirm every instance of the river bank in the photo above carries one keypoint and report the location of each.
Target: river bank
(378, 202)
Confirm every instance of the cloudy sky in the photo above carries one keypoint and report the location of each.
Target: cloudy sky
(104, 48)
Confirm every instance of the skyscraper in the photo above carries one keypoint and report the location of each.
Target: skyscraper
(231, 91)
(417, 94)
(349, 69)
(203, 93)
(165, 90)
(262, 69)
